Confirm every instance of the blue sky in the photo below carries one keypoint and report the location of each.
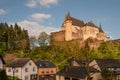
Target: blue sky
(47, 15)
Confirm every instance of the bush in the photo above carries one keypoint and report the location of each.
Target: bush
(3, 75)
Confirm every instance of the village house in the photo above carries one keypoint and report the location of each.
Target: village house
(77, 70)
(46, 70)
(2, 63)
(23, 68)
(110, 65)
(74, 73)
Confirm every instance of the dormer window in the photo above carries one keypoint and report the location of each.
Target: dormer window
(46, 64)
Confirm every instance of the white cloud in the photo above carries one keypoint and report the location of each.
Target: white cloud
(45, 3)
(2, 12)
(34, 28)
(40, 16)
(32, 4)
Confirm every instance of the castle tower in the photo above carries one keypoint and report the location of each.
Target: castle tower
(68, 26)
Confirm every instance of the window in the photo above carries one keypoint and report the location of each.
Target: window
(30, 63)
(26, 69)
(42, 72)
(51, 71)
(9, 70)
(26, 77)
(47, 71)
(16, 70)
(33, 68)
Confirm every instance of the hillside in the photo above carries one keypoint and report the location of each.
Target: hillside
(59, 53)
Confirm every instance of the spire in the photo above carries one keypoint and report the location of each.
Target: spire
(68, 16)
(100, 28)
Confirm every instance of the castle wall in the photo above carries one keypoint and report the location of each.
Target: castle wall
(58, 36)
(89, 31)
(102, 36)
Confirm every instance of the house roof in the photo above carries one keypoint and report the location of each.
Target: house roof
(80, 62)
(74, 71)
(18, 62)
(2, 59)
(45, 64)
(108, 63)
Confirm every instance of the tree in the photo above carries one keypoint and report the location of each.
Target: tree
(3, 75)
(43, 39)
(87, 52)
(32, 42)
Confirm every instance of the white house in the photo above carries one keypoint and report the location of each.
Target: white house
(23, 68)
(2, 62)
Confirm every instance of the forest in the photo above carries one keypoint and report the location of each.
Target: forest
(16, 41)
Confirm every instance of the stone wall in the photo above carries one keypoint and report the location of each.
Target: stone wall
(58, 36)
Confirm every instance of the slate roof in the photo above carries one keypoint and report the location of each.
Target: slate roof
(74, 71)
(45, 64)
(108, 63)
(91, 24)
(18, 62)
(2, 59)
(75, 21)
(80, 62)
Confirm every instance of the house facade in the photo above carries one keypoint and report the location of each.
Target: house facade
(23, 68)
(46, 70)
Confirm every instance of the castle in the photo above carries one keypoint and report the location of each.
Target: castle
(73, 29)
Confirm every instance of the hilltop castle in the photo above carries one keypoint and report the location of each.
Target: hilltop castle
(73, 29)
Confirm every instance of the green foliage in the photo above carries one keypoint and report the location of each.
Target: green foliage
(109, 50)
(43, 39)
(14, 37)
(2, 47)
(59, 53)
(11, 78)
(3, 75)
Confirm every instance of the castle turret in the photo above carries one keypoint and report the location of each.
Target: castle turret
(68, 26)
(67, 17)
(100, 29)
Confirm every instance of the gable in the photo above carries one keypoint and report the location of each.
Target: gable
(95, 65)
(30, 63)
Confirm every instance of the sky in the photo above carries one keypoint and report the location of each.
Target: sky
(38, 16)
